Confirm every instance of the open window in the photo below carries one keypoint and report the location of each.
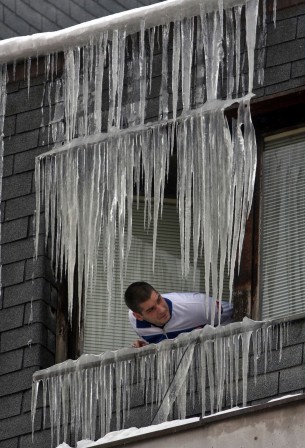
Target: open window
(109, 329)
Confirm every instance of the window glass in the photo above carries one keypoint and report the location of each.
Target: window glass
(282, 248)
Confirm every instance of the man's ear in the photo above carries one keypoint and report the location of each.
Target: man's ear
(137, 315)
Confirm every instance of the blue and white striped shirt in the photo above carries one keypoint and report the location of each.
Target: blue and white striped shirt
(187, 310)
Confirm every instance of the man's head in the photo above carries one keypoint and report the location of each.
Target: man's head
(147, 304)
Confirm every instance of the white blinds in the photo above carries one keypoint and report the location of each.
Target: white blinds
(111, 331)
(283, 227)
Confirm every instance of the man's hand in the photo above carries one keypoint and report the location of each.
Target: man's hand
(139, 343)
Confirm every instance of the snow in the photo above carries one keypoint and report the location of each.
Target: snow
(131, 432)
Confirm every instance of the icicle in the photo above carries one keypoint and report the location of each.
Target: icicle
(100, 58)
(198, 182)
(202, 379)
(231, 368)
(262, 45)
(151, 55)
(35, 389)
(281, 330)
(113, 76)
(211, 375)
(14, 69)
(200, 67)
(219, 370)
(188, 197)
(71, 86)
(187, 36)
(161, 151)
(85, 86)
(251, 22)
(212, 44)
(29, 75)
(266, 344)
(163, 101)
(176, 66)
(181, 185)
(255, 355)
(237, 14)
(3, 96)
(250, 167)
(245, 363)
(230, 38)
(142, 61)
(121, 67)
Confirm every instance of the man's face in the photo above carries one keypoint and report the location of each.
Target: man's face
(154, 310)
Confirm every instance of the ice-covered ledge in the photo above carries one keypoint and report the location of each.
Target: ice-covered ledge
(158, 14)
(208, 333)
(99, 137)
(206, 360)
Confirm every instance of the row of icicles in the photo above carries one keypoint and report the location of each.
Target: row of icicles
(204, 372)
(108, 93)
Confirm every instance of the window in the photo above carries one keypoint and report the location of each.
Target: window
(111, 330)
(282, 248)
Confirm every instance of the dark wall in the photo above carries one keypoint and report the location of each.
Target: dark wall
(28, 286)
(285, 54)
(26, 348)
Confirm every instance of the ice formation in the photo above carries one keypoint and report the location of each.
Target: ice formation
(208, 367)
(111, 145)
(110, 148)
(3, 81)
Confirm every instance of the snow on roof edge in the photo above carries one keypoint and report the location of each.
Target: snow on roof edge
(34, 45)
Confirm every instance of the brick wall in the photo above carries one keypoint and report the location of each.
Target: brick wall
(285, 55)
(28, 286)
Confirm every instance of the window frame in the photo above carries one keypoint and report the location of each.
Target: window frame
(276, 114)
(279, 113)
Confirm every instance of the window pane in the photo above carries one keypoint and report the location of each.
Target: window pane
(283, 227)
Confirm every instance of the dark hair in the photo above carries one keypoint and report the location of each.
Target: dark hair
(137, 293)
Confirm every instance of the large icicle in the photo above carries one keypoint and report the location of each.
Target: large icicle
(3, 81)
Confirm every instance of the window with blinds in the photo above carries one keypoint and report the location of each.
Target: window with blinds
(282, 239)
(111, 330)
